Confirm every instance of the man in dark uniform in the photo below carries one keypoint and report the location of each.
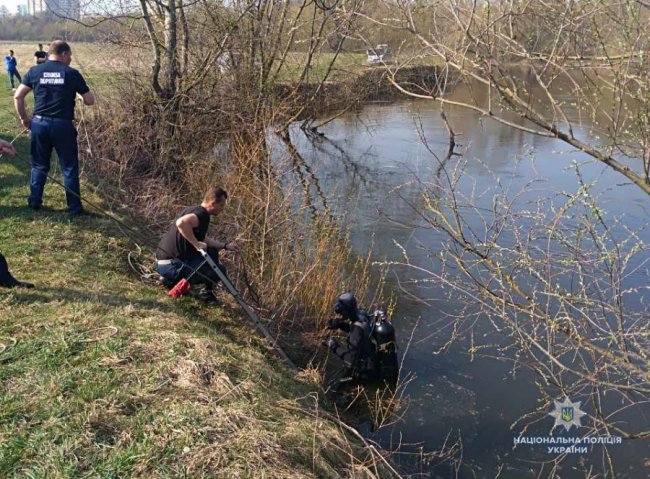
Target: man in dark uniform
(359, 355)
(177, 255)
(55, 86)
(6, 279)
(40, 56)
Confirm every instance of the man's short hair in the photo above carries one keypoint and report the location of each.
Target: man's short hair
(215, 194)
(11, 52)
(59, 47)
(40, 45)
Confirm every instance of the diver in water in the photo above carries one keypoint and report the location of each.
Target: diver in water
(371, 352)
(359, 354)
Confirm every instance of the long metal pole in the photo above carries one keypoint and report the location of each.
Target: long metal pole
(249, 311)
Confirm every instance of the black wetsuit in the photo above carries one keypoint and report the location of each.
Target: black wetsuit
(359, 355)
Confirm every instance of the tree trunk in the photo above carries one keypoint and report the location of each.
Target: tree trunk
(155, 44)
(171, 39)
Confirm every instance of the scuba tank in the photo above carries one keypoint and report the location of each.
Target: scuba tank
(382, 333)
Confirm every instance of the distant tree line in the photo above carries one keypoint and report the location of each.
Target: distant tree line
(43, 28)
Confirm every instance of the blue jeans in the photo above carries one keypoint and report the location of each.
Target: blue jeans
(13, 73)
(177, 269)
(60, 135)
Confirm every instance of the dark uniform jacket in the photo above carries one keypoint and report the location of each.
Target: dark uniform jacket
(55, 87)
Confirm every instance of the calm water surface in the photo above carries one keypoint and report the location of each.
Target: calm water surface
(366, 156)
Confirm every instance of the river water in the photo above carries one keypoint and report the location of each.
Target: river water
(366, 168)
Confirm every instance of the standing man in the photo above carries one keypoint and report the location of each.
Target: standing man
(40, 56)
(6, 279)
(55, 86)
(12, 69)
(177, 255)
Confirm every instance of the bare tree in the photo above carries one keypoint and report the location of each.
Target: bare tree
(554, 288)
(224, 77)
(533, 60)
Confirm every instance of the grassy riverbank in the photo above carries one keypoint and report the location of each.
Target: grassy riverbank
(102, 375)
(100, 62)
(104, 64)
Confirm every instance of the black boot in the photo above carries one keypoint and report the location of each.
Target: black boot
(7, 280)
(18, 284)
(167, 283)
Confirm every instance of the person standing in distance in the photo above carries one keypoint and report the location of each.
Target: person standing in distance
(12, 69)
(55, 87)
(40, 56)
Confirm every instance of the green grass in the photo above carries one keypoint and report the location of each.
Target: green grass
(103, 64)
(102, 375)
(348, 65)
(106, 66)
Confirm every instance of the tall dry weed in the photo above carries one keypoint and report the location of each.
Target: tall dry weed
(158, 157)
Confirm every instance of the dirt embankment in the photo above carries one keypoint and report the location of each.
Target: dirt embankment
(373, 84)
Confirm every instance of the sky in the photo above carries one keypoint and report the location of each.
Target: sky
(12, 4)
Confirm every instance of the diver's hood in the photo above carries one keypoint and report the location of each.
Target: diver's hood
(346, 306)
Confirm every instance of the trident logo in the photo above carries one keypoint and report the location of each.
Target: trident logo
(567, 413)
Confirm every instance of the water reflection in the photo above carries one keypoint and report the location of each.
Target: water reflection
(370, 166)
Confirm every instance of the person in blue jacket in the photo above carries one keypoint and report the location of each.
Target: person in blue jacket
(12, 69)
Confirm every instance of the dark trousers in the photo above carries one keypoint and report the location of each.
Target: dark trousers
(177, 269)
(60, 135)
(5, 276)
(13, 73)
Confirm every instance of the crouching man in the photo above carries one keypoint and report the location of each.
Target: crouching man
(178, 256)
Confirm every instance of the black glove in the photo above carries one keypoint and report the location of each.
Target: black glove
(334, 323)
(332, 343)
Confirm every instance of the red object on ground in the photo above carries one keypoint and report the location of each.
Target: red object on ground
(181, 288)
